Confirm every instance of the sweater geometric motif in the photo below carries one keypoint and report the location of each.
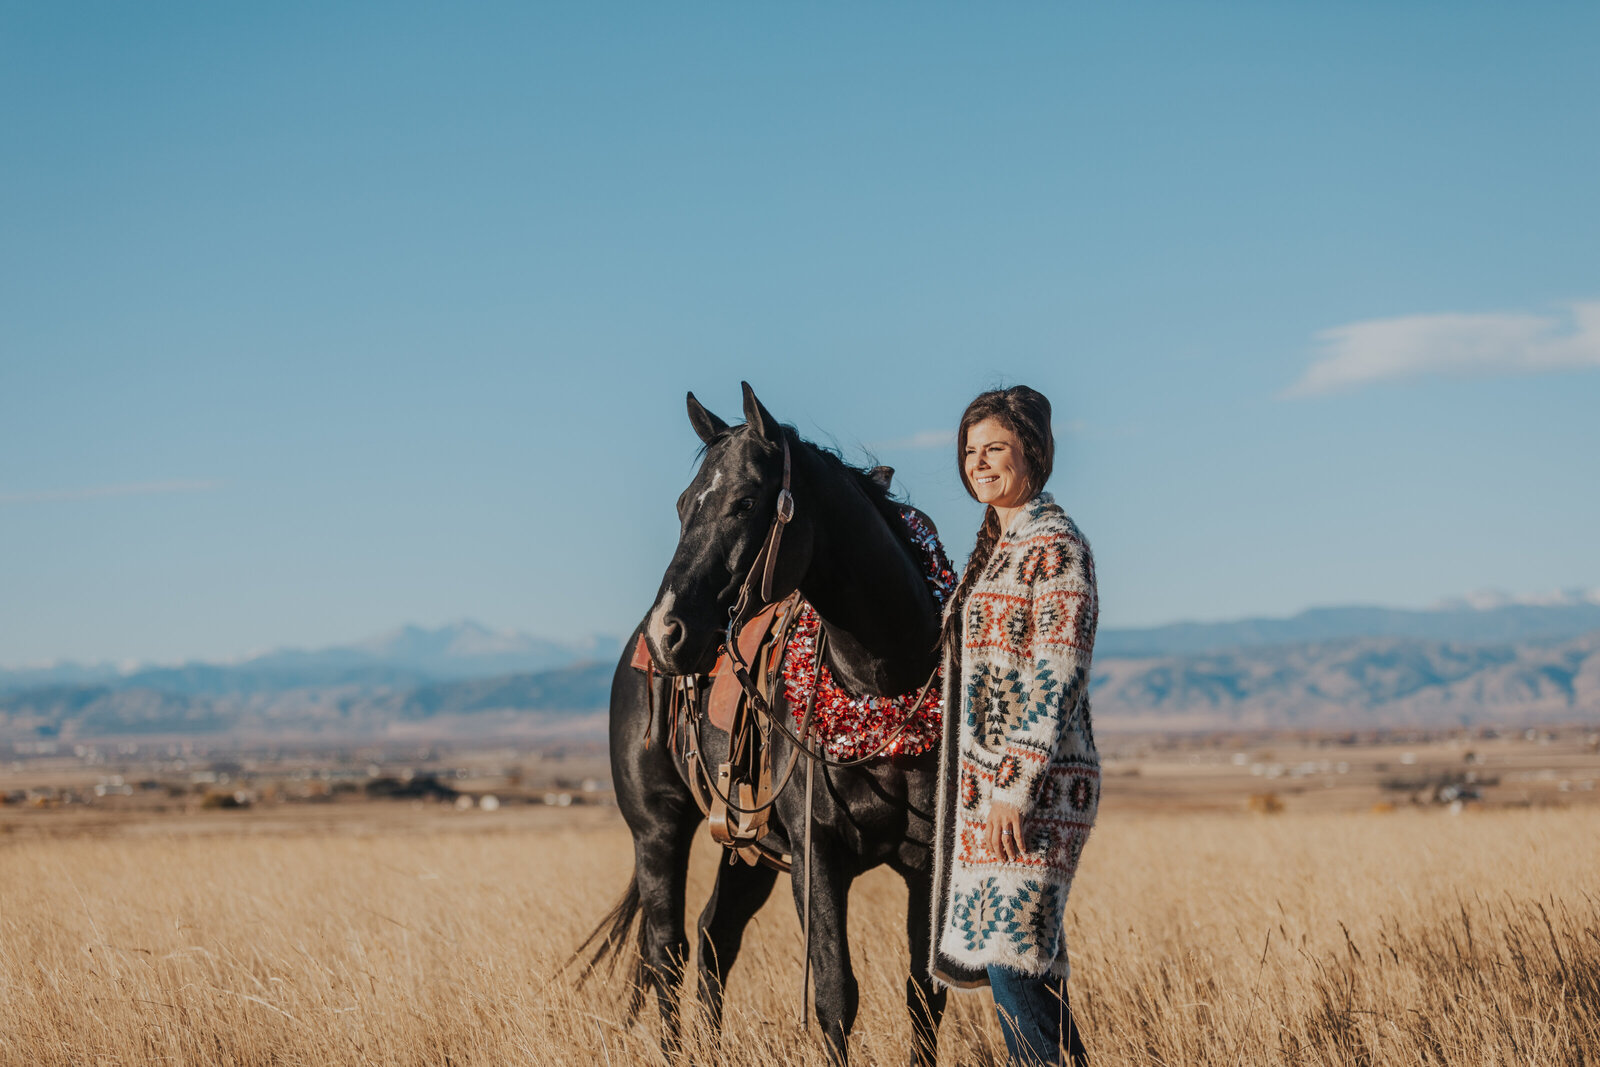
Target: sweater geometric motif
(1023, 735)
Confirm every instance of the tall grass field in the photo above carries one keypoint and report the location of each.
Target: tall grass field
(1409, 938)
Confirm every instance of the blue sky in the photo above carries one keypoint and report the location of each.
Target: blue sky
(315, 319)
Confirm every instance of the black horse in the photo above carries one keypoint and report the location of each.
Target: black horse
(848, 551)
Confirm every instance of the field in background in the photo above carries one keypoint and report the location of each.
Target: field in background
(411, 933)
(54, 786)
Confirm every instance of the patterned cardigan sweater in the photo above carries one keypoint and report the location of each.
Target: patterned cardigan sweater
(1017, 728)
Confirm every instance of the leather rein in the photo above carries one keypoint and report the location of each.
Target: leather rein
(765, 563)
(730, 792)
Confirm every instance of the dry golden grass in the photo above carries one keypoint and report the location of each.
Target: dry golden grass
(1197, 939)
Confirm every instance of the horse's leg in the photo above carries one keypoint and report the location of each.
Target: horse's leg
(739, 893)
(923, 999)
(662, 816)
(661, 864)
(836, 996)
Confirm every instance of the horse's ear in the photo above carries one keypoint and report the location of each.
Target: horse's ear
(884, 476)
(706, 425)
(759, 418)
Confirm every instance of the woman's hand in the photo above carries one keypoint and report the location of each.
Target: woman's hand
(1003, 833)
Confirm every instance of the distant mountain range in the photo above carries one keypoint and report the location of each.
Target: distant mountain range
(1360, 682)
(1482, 618)
(507, 704)
(1327, 667)
(410, 655)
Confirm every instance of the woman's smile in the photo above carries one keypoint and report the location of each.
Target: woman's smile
(994, 467)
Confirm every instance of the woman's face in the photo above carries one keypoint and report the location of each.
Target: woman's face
(994, 466)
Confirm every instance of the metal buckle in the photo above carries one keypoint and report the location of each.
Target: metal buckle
(785, 506)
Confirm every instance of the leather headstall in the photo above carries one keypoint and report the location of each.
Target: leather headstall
(738, 798)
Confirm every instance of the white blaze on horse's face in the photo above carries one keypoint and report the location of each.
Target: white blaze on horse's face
(656, 627)
(716, 480)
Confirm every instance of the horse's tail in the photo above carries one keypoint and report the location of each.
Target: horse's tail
(612, 937)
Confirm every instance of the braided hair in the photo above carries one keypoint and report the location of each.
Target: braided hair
(1026, 413)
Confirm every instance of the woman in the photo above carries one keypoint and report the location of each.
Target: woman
(1020, 777)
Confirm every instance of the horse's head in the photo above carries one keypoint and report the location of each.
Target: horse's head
(724, 518)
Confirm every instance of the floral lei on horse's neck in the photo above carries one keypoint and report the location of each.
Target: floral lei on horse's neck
(850, 727)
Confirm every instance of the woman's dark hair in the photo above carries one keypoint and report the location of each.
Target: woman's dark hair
(1026, 413)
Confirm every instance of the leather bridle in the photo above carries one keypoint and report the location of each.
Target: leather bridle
(766, 560)
(765, 563)
(765, 566)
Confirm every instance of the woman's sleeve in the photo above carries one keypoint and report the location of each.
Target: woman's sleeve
(1064, 613)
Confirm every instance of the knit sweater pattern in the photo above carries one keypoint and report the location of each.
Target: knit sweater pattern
(1017, 729)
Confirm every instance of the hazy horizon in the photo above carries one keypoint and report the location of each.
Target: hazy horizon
(1479, 600)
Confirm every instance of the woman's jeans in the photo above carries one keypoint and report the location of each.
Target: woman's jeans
(1034, 1016)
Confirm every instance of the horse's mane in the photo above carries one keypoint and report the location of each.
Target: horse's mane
(886, 503)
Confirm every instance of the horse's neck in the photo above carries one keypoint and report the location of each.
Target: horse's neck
(880, 620)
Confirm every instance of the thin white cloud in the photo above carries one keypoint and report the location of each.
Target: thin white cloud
(922, 440)
(1453, 345)
(99, 491)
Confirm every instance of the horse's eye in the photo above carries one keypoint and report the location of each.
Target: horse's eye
(745, 504)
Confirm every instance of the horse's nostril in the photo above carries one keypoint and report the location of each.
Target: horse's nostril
(672, 633)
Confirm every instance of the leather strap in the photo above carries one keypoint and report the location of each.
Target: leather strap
(780, 519)
(725, 690)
